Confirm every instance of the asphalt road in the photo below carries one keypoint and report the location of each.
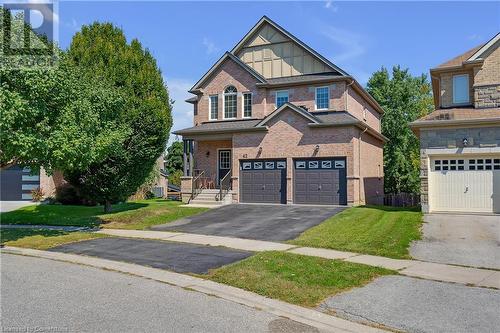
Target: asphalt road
(177, 257)
(261, 222)
(40, 295)
(416, 305)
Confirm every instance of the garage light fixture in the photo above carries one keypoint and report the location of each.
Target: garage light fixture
(465, 142)
(208, 153)
(316, 149)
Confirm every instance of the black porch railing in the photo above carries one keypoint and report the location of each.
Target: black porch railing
(224, 186)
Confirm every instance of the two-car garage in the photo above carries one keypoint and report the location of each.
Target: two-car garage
(315, 181)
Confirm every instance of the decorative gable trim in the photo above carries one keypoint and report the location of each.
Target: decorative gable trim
(219, 62)
(293, 107)
(267, 20)
(477, 56)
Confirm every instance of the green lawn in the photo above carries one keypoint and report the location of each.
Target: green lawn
(130, 215)
(294, 278)
(42, 239)
(377, 230)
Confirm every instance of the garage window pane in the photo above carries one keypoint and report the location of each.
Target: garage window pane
(460, 167)
(313, 164)
(281, 165)
(497, 160)
(269, 165)
(460, 161)
(247, 166)
(301, 165)
(497, 167)
(472, 167)
(437, 162)
(326, 164)
(257, 165)
(472, 161)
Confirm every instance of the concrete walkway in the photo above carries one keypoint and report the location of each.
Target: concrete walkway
(321, 321)
(420, 269)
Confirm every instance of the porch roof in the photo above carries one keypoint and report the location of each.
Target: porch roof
(215, 127)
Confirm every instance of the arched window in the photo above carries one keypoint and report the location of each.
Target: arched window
(230, 94)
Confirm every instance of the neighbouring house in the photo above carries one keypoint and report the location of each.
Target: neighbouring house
(460, 140)
(16, 183)
(276, 122)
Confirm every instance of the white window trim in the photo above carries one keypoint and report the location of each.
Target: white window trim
(224, 106)
(276, 96)
(468, 93)
(243, 104)
(210, 107)
(316, 98)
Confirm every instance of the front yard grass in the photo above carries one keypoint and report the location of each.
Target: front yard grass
(295, 278)
(42, 239)
(129, 215)
(378, 230)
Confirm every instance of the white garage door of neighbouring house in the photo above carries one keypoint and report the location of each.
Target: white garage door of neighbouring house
(465, 184)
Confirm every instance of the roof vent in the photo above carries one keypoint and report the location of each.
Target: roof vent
(304, 107)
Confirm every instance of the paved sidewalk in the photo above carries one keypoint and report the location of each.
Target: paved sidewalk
(421, 269)
(299, 314)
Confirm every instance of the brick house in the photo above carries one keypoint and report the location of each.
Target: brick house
(276, 122)
(460, 140)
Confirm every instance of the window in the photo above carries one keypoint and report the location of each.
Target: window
(313, 164)
(326, 164)
(461, 89)
(300, 165)
(257, 165)
(339, 164)
(247, 105)
(269, 165)
(214, 107)
(230, 95)
(281, 165)
(281, 98)
(247, 166)
(322, 98)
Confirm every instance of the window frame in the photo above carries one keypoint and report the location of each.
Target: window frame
(210, 107)
(467, 101)
(316, 98)
(224, 94)
(276, 97)
(248, 93)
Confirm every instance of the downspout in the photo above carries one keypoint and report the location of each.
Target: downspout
(359, 164)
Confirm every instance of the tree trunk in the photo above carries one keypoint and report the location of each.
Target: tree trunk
(107, 206)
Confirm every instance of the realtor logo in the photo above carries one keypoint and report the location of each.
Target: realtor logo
(28, 34)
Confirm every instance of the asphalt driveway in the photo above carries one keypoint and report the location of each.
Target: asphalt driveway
(416, 305)
(470, 240)
(261, 222)
(177, 257)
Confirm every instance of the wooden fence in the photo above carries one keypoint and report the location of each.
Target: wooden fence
(402, 199)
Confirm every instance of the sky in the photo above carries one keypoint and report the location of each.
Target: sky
(187, 38)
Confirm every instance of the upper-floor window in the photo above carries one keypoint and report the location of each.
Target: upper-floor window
(230, 96)
(281, 98)
(461, 89)
(247, 105)
(322, 98)
(213, 107)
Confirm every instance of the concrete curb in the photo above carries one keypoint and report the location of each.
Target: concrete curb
(303, 315)
(414, 268)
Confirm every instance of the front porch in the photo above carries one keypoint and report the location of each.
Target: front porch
(207, 169)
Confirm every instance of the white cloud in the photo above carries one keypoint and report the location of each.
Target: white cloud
(329, 5)
(350, 43)
(182, 112)
(210, 46)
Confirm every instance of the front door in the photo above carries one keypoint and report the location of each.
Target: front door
(224, 164)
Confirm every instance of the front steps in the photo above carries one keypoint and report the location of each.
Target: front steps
(207, 198)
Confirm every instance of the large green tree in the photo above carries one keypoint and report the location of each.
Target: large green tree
(50, 116)
(404, 99)
(102, 52)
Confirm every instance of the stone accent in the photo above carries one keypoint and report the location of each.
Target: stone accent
(487, 96)
(453, 137)
(424, 181)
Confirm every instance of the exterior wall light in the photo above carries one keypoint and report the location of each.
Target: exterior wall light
(208, 153)
(465, 142)
(316, 149)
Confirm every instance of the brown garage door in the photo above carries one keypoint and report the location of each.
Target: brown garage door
(320, 181)
(263, 181)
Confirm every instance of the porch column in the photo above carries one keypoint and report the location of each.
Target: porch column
(191, 159)
(184, 158)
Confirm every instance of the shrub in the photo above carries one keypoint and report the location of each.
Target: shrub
(37, 194)
(68, 195)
